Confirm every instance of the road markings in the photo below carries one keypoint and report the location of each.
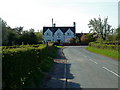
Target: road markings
(93, 61)
(110, 71)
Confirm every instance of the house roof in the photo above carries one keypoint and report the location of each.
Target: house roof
(80, 34)
(63, 29)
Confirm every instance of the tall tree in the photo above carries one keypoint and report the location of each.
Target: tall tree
(100, 27)
(39, 36)
(4, 33)
(19, 30)
(118, 34)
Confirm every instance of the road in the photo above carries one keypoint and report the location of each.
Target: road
(85, 69)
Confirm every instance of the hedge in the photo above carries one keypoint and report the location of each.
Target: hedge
(104, 46)
(25, 66)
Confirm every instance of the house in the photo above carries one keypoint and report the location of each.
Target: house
(79, 35)
(58, 34)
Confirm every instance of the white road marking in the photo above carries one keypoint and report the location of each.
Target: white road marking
(93, 61)
(110, 71)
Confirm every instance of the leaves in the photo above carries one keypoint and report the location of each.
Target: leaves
(20, 64)
(100, 27)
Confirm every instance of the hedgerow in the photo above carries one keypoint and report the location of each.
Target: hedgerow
(25, 65)
(104, 46)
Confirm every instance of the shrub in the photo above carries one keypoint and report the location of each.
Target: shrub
(104, 46)
(20, 65)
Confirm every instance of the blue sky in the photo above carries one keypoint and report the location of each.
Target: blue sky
(38, 13)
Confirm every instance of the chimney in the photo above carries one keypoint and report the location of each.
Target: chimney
(52, 22)
(54, 25)
(74, 24)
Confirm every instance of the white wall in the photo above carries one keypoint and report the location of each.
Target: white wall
(48, 36)
(71, 34)
(58, 37)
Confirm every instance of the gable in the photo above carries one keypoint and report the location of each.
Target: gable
(69, 32)
(48, 32)
(58, 32)
(63, 29)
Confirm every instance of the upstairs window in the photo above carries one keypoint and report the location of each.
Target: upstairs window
(58, 35)
(48, 34)
(68, 34)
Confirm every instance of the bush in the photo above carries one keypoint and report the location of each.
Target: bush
(104, 46)
(20, 65)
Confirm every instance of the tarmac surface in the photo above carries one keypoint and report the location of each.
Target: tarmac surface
(75, 67)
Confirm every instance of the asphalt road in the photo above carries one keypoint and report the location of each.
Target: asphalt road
(89, 70)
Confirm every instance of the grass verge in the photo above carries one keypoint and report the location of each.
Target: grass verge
(59, 46)
(106, 52)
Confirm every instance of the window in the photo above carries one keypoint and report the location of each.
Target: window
(58, 35)
(48, 34)
(68, 34)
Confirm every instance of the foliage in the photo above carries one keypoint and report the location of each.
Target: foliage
(83, 38)
(71, 40)
(100, 27)
(26, 65)
(39, 36)
(90, 37)
(104, 46)
(28, 38)
(4, 33)
(87, 38)
(18, 36)
(118, 34)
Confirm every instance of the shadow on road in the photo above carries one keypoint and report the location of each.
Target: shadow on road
(60, 77)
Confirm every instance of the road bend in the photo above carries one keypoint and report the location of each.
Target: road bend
(85, 69)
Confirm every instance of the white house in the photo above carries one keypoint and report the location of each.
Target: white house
(58, 34)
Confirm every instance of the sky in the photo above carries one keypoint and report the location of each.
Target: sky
(38, 13)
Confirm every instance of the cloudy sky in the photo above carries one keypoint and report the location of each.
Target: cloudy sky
(38, 13)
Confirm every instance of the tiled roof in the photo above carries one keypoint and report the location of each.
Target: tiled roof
(63, 29)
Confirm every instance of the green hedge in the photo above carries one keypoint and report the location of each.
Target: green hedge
(25, 66)
(21, 46)
(104, 46)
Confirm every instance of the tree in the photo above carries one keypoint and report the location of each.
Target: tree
(4, 33)
(100, 27)
(82, 38)
(28, 37)
(19, 30)
(89, 37)
(12, 37)
(118, 34)
(39, 36)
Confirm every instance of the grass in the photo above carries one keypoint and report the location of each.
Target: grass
(59, 46)
(106, 52)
